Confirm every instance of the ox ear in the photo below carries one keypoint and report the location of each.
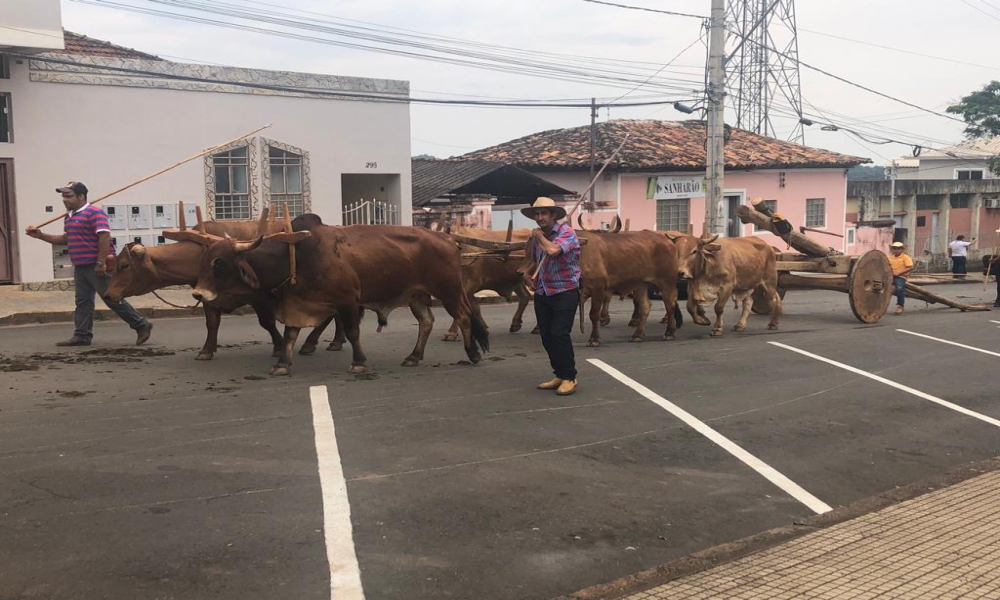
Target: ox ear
(672, 238)
(247, 274)
(711, 249)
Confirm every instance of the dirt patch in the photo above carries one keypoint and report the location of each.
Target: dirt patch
(33, 362)
(254, 377)
(72, 393)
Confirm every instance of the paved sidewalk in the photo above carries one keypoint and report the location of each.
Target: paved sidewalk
(944, 544)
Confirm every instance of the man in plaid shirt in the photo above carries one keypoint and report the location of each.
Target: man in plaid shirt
(557, 289)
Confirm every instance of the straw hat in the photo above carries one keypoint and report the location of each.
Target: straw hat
(897, 245)
(546, 203)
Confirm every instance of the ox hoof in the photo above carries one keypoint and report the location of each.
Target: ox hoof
(772, 327)
(205, 356)
(606, 322)
(668, 337)
(593, 343)
(665, 320)
(409, 361)
(280, 370)
(535, 330)
(307, 348)
(476, 358)
(515, 327)
(738, 328)
(717, 333)
(702, 321)
(358, 369)
(637, 338)
(450, 337)
(335, 347)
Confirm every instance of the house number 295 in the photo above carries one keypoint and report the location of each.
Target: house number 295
(371, 165)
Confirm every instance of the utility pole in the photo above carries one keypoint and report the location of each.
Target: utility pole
(716, 126)
(892, 199)
(593, 142)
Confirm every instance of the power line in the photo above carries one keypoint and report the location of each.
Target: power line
(333, 94)
(973, 6)
(921, 54)
(643, 8)
(667, 64)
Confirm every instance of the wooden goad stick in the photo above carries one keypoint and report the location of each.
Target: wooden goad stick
(569, 215)
(160, 172)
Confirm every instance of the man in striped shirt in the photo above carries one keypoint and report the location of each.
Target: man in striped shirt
(88, 237)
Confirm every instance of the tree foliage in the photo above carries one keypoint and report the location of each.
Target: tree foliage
(981, 111)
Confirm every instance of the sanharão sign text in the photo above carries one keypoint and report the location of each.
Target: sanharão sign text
(669, 187)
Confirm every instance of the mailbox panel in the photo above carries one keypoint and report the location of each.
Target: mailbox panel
(116, 216)
(146, 240)
(138, 216)
(164, 216)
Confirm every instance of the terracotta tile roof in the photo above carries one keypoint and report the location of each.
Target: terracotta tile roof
(83, 45)
(655, 146)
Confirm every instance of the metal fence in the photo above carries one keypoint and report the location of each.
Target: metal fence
(370, 212)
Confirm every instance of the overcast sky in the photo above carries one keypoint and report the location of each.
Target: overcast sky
(953, 29)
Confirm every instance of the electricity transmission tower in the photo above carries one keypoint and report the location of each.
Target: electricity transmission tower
(762, 70)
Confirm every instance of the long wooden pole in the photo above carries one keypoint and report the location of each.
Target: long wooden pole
(569, 215)
(160, 172)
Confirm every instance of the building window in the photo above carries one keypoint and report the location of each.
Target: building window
(816, 212)
(960, 200)
(672, 215)
(5, 130)
(286, 179)
(4, 68)
(231, 185)
(928, 203)
(772, 205)
(969, 173)
(851, 235)
(921, 221)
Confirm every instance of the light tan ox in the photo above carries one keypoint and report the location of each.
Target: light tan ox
(720, 268)
(501, 276)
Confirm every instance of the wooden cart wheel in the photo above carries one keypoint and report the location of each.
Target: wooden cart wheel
(869, 286)
(761, 303)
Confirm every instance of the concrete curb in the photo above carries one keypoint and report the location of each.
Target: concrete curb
(725, 553)
(66, 316)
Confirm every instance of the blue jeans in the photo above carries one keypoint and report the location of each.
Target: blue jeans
(87, 283)
(900, 284)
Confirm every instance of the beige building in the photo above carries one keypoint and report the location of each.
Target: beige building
(106, 115)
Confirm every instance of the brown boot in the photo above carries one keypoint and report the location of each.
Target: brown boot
(567, 387)
(73, 342)
(550, 385)
(142, 334)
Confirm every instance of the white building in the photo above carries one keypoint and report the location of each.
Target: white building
(108, 115)
(965, 160)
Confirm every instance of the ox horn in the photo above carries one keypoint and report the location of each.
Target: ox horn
(263, 222)
(579, 221)
(616, 225)
(708, 240)
(200, 227)
(241, 247)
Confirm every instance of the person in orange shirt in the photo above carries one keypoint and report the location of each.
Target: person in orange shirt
(902, 264)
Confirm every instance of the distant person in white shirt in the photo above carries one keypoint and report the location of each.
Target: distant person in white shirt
(959, 253)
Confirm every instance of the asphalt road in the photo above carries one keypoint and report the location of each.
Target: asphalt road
(140, 473)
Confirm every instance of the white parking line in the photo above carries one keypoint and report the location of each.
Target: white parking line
(787, 485)
(898, 386)
(345, 576)
(949, 342)
(992, 321)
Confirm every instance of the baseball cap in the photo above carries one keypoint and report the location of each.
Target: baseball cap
(74, 186)
(898, 245)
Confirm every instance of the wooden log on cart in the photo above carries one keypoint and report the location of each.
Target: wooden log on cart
(803, 244)
(918, 293)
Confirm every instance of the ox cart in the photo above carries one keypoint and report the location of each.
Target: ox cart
(866, 279)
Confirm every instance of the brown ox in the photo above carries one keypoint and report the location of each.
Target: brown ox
(495, 274)
(720, 268)
(620, 264)
(339, 270)
(140, 270)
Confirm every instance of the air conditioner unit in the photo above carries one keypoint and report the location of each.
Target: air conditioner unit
(991, 202)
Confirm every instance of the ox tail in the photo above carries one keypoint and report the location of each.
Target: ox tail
(383, 321)
(480, 331)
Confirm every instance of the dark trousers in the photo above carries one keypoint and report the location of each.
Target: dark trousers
(958, 266)
(899, 284)
(87, 283)
(555, 315)
(997, 301)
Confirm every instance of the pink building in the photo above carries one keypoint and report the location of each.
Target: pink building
(657, 181)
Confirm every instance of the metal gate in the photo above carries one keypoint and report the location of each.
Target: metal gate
(370, 212)
(8, 235)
